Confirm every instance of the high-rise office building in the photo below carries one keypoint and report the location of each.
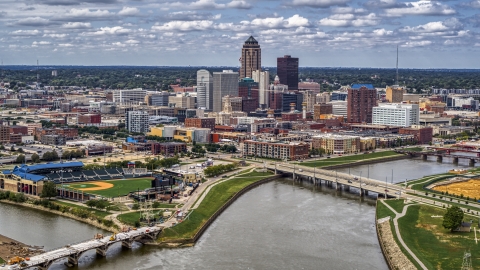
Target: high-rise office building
(224, 83)
(360, 102)
(251, 58)
(396, 114)
(287, 71)
(137, 121)
(263, 80)
(248, 91)
(204, 89)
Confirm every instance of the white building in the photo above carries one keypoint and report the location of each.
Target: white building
(339, 108)
(396, 114)
(204, 89)
(129, 96)
(137, 121)
(263, 80)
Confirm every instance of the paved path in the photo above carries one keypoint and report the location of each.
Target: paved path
(397, 231)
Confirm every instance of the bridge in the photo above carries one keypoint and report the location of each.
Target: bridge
(341, 180)
(74, 252)
(444, 154)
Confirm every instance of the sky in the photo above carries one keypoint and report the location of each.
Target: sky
(322, 33)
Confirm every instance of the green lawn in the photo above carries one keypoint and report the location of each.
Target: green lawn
(2, 261)
(214, 200)
(120, 187)
(397, 205)
(131, 217)
(97, 213)
(348, 159)
(435, 246)
(383, 211)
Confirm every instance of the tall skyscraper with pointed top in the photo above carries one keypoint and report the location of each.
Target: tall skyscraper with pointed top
(251, 58)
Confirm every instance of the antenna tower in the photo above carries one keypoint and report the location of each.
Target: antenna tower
(147, 211)
(38, 76)
(467, 261)
(397, 67)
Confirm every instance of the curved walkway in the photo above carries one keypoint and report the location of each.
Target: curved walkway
(399, 236)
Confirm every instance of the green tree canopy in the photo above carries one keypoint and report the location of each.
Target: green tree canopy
(452, 218)
(49, 190)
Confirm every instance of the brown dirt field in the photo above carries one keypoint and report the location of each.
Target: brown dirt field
(10, 248)
(101, 186)
(470, 188)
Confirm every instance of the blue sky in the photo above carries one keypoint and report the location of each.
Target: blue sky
(323, 33)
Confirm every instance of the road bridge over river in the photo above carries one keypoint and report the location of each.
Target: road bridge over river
(74, 251)
(340, 180)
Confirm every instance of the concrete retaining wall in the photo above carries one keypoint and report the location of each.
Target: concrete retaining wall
(367, 161)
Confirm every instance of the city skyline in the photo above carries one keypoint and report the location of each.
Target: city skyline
(322, 33)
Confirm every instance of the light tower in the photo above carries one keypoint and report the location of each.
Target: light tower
(467, 261)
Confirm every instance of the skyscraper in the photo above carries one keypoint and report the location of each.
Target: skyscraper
(204, 89)
(263, 80)
(137, 121)
(287, 71)
(224, 83)
(360, 102)
(251, 58)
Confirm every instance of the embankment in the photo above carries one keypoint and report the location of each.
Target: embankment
(366, 161)
(203, 227)
(391, 251)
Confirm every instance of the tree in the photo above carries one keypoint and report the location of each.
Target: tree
(452, 218)
(101, 204)
(49, 190)
(12, 148)
(20, 159)
(91, 203)
(20, 150)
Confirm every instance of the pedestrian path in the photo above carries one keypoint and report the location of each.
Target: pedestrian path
(399, 236)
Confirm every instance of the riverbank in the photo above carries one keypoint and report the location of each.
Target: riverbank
(354, 160)
(95, 223)
(219, 198)
(10, 248)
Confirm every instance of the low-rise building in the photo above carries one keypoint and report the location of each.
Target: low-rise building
(337, 144)
(276, 150)
(168, 148)
(200, 123)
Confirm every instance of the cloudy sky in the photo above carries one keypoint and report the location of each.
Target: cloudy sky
(323, 33)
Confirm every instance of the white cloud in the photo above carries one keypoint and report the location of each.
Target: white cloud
(279, 22)
(129, 11)
(382, 32)
(420, 8)
(60, 36)
(77, 25)
(184, 26)
(411, 44)
(85, 14)
(346, 20)
(25, 33)
(432, 27)
(320, 3)
(116, 30)
(33, 21)
(209, 5)
(41, 43)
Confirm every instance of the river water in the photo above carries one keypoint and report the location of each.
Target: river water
(405, 169)
(278, 225)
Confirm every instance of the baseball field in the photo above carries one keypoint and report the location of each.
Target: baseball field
(111, 188)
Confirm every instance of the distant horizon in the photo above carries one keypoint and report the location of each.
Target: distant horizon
(263, 68)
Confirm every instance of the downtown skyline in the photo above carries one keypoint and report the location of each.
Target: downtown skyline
(322, 33)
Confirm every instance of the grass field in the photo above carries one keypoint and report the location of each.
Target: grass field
(383, 211)
(97, 213)
(470, 188)
(215, 199)
(397, 205)
(2, 261)
(348, 159)
(120, 187)
(435, 246)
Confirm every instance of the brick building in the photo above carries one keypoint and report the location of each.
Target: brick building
(4, 134)
(276, 150)
(360, 102)
(90, 119)
(23, 130)
(168, 148)
(321, 109)
(200, 123)
(423, 135)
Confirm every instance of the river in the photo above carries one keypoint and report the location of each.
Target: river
(278, 225)
(405, 169)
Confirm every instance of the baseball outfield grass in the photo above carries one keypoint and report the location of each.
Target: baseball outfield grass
(112, 188)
